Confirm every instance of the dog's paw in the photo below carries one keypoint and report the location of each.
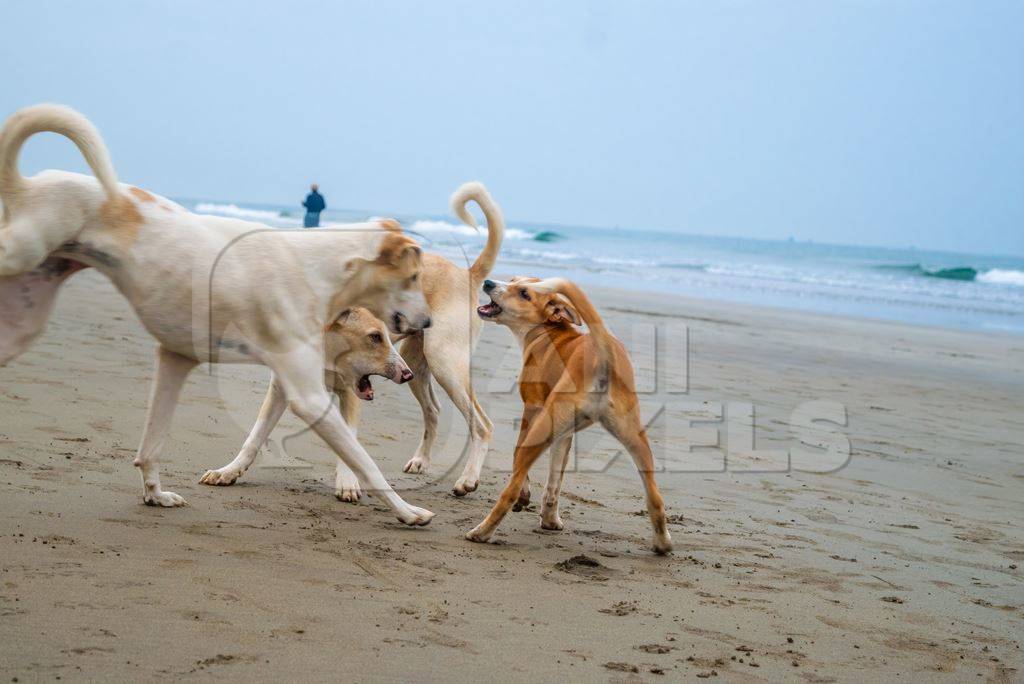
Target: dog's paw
(350, 493)
(166, 499)
(551, 522)
(416, 516)
(464, 485)
(417, 464)
(662, 544)
(479, 534)
(522, 502)
(346, 486)
(222, 477)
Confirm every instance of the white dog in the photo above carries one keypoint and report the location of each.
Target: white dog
(443, 352)
(208, 289)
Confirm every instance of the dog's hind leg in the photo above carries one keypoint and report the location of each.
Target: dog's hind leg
(271, 411)
(629, 430)
(559, 452)
(454, 376)
(346, 484)
(26, 301)
(171, 371)
(301, 375)
(482, 429)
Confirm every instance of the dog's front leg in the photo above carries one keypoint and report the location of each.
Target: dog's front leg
(270, 414)
(538, 430)
(302, 378)
(346, 484)
(559, 452)
(171, 371)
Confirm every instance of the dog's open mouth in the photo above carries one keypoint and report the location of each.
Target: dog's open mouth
(364, 388)
(489, 310)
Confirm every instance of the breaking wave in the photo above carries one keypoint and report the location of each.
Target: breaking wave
(431, 226)
(1003, 276)
(238, 212)
(966, 273)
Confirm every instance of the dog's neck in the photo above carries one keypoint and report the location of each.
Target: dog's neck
(523, 333)
(333, 264)
(354, 288)
(537, 337)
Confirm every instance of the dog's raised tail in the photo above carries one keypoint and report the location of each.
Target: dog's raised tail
(475, 191)
(51, 118)
(601, 335)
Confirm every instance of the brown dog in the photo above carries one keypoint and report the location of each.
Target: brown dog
(569, 381)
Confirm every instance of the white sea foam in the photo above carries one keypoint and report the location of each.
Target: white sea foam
(238, 212)
(613, 261)
(519, 234)
(428, 226)
(1002, 276)
(544, 254)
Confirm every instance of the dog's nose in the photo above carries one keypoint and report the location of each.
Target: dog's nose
(488, 285)
(427, 323)
(406, 376)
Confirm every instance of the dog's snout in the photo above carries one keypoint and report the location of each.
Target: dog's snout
(406, 376)
(489, 285)
(427, 323)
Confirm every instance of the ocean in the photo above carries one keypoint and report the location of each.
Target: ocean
(946, 289)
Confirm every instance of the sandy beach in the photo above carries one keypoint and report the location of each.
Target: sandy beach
(905, 562)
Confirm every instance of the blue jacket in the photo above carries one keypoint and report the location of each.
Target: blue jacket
(315, 202)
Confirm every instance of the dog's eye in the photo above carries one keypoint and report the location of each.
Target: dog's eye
(376, 338)
(415, 277)
(524, 294)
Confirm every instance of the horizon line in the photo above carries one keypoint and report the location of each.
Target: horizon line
(663, 231)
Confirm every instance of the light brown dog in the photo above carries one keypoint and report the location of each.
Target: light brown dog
(356, 346)
(569, 381)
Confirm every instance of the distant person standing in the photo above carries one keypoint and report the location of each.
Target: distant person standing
(314, 205)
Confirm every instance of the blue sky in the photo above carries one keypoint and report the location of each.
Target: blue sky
(894, 123)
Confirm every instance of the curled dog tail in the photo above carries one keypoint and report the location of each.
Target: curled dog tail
(26, 122)
(475, 191)
(603, 338)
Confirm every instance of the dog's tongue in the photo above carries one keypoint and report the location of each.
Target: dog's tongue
(364, 389)
(489, 309)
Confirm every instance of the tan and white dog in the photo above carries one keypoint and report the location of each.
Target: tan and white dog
(569, 381)
(443, 352)
(208, 289)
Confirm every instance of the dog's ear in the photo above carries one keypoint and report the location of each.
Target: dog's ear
(559, 310)
(340, 320)
(410, 258)
(401, 251)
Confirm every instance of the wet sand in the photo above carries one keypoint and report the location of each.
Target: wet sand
(904, 562)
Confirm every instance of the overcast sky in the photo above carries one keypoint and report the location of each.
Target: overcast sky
(892, 122)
